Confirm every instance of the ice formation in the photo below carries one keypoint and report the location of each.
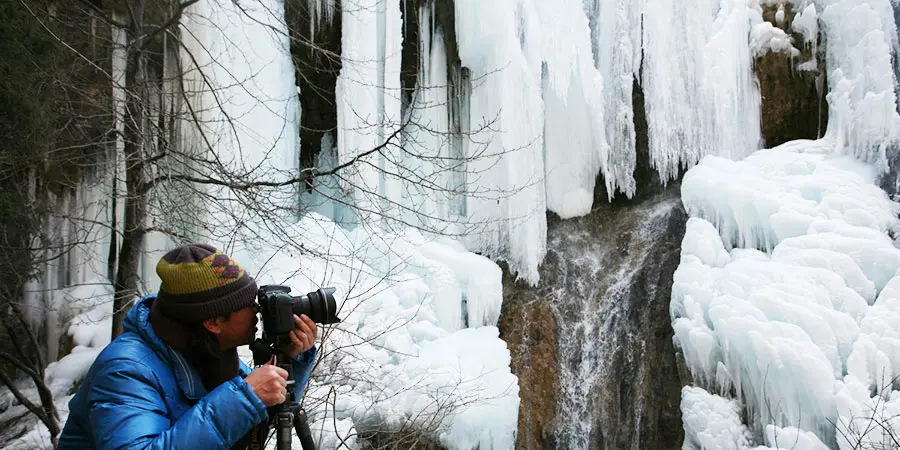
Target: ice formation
(548, 106)
(787, 278)
(861, 38)
(418, 343)
(785, 289)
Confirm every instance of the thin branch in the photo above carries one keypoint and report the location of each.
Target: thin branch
(102, 14)
(20, 396)
(16, 362)
(63, 42)
(173, 20)
(306, 174)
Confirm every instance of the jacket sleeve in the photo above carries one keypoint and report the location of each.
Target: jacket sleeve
(303, 367)
(128, 412)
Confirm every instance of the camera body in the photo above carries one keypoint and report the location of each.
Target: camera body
(277, 307)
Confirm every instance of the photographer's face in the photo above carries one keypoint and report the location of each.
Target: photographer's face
(235, 330)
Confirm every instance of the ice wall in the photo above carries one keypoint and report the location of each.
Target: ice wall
(76, 260)
(496, 42)
(574, 122)
(788, 272)
(797, 333)
(860, 43)
(80, 229)
(700, 91)
(428, 166)
(253, 127)
(403, 356)
(549, 109)
(616, 43)
(239, 81)
(548, 105)
(215, 60)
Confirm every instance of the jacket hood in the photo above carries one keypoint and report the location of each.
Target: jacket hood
(137, 321)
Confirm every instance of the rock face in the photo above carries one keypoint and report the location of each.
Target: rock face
(528, 325)
(793, 101)
(317, 65)
(592, 343)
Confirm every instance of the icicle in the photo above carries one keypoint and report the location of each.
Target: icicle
(321, 12)
(368, 93)
(700, 93)
(616, 37)
(575, 142)
(429, 164)
(499, 42)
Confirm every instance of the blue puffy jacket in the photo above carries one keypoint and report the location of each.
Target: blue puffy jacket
(141, 394)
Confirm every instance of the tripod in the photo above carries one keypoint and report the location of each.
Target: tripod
(285, 415)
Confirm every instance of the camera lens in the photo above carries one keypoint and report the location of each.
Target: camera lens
(318, 305)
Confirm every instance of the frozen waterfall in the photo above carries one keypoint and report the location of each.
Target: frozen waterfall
(788, 279)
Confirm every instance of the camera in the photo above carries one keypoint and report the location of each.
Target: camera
(277, 307)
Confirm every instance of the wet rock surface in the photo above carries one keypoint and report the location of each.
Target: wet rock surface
(592, 343)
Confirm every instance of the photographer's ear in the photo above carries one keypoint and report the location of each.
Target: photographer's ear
(214, 325)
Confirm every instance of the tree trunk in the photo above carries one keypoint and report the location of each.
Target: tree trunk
(136, 138)
(129, 257)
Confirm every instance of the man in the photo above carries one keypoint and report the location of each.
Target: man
(173, 379)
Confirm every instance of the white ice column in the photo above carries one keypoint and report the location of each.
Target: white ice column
(575, 145)
(368, 103)
(499, 42)
(429, 165)
(616, 39)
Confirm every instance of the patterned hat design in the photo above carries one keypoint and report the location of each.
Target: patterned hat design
(200, 282)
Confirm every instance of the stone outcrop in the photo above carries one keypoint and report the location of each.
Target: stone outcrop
(528, 326)
(793, 101)
(595, 334)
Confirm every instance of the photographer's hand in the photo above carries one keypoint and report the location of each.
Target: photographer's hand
(269, 383)
(303, 337)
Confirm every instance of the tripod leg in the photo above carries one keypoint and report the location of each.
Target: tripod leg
(283, 430)
(301, 426)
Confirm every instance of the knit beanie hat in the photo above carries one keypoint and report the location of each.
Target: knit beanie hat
(200, 282)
